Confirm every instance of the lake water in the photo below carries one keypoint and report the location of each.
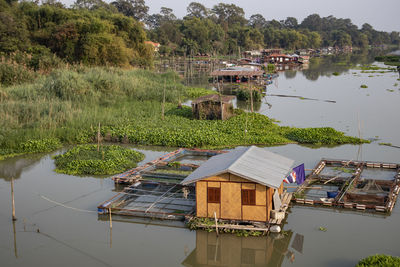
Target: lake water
(47, 234)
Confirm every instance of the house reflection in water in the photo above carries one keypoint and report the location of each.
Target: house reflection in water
(230, 250)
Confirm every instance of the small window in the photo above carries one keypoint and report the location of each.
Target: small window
(214, 195)
(248, 197)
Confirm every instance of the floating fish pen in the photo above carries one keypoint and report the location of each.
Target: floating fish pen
(172, 166)
(149, 199)
(154, 189)
(360, 185)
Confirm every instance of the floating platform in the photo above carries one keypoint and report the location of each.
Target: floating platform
(186, 160)
(154, 189)
(149, 199)
(361, 185)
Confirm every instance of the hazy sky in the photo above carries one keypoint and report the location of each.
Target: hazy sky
(383, 15)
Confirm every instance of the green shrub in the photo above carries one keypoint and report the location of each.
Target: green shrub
(244, 94)
(86, 159)
(379, 260)
(364, 86)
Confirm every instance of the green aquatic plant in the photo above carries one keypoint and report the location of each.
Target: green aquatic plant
(94, 160)
(31, 146)
(322, 229)
(336, 73)
(322, 136)
(380, 260)
(385, 144)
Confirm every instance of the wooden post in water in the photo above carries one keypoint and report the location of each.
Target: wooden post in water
(12, 200)
(109, 211)
(216, 223)
(15, 241)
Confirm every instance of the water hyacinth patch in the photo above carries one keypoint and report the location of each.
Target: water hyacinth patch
(88, 160)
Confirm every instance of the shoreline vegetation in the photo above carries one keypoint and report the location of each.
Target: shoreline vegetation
(66, 106)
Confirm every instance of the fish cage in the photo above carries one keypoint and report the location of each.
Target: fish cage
(173, 167)
(152, 200)
(361, 185)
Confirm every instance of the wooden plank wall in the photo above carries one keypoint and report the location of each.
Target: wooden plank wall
(231, 207)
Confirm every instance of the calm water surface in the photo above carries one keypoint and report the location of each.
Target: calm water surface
(47, 234)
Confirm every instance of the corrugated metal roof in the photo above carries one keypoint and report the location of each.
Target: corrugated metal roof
(237, 71)
(251, 163)
(215, 98)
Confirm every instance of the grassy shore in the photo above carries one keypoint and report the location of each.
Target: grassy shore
(66, 107)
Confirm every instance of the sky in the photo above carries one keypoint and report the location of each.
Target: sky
(383, 15)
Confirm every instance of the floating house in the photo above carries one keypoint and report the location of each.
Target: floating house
(237, 74)
(242, 185)
(279, 58)
(213, 107)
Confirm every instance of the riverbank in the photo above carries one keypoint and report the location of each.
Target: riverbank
(67, 106)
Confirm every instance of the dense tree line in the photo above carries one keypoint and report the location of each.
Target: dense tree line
(224, 29)
(90, 33)
(93, 32)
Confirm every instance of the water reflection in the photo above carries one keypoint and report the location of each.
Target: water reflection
(230, 250)
(325, 66)
(13, 167)
(245, 105)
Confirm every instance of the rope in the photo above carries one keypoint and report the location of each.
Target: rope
(65, 206)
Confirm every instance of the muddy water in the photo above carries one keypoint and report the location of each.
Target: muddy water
(47, 234)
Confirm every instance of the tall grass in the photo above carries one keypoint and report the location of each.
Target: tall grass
(68, 104)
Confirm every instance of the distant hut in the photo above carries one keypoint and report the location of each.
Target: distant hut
(213, 107)
(237, 74)
(242, 185)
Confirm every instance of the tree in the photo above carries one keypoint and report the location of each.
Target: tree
(132, 8)
(257, 21)
(340, 38)
(312, 22)
(291, 23)
(395, 38)
(197, 10)
(167, 13)
(93, 4)
(229, 14)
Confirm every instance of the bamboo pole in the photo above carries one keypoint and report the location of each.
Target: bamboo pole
(98, 139)
(251, 96)
(216, 223)
(109, 211)
(163, 103)
(12, 200)
(15, 241)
